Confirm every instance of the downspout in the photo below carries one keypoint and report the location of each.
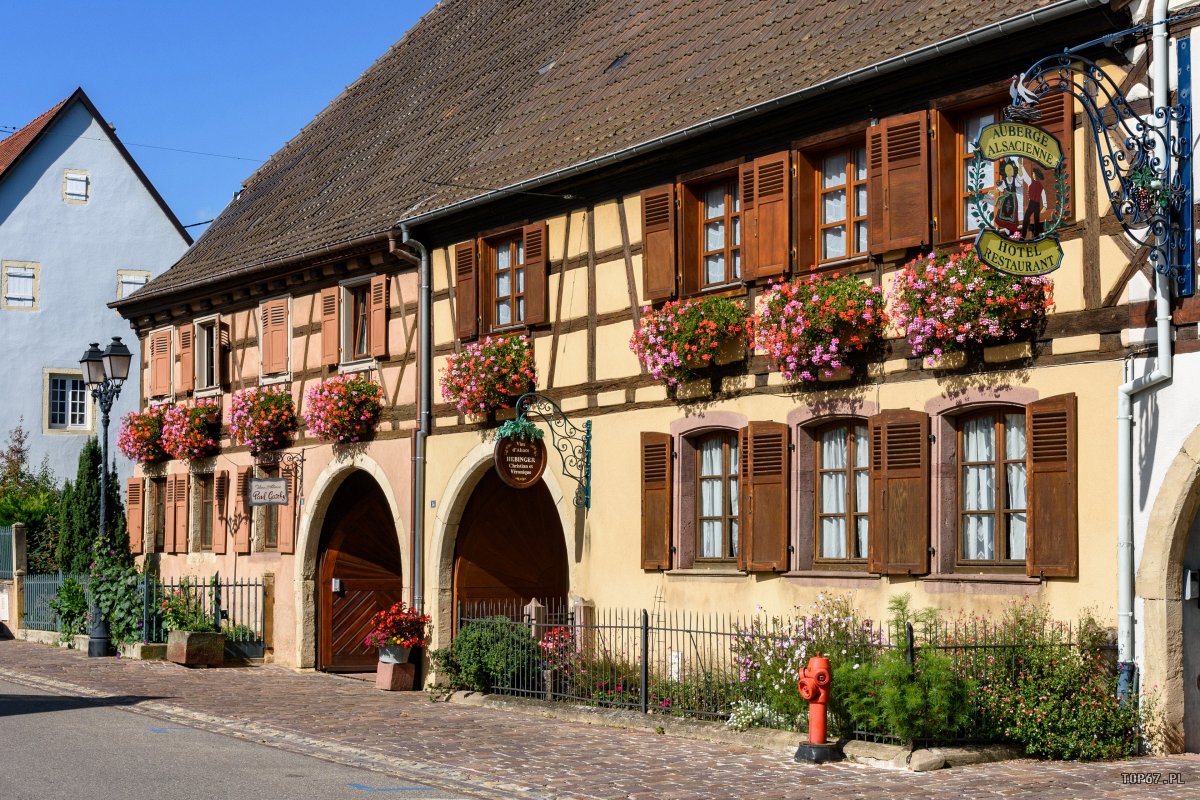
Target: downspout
(424, 412)
(1159, 70)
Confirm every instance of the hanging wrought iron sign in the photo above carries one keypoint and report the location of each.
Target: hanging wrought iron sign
(268, 491)
(520, 463)
(1017, 197)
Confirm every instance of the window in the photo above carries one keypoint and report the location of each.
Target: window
(500, 281)
(971, 123)
(208, 350)
(76, 186)
(158, 513)
(274, 337)
(66, 402)
(717, 492)
(720, 233)
(130, 280)
(843, 492)
(159, 346)
(841, 205)
(360, 333)
(204, 491)
(508, 282)
(20, 289)
(992, 494)
(270, 516)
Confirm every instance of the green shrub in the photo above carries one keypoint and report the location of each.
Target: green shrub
(489, 653)
(71, 606)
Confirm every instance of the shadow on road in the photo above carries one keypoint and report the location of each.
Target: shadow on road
(12, 705)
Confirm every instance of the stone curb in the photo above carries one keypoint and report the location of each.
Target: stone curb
(898, 757)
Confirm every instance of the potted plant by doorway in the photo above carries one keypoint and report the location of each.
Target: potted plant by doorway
(193, 638)
(395, 632)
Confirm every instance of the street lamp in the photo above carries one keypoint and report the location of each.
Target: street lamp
(104, 372)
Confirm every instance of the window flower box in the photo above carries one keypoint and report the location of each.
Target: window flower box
(263, 418)
(489, 375)
(685, 337)
(815, 328)
(141, 435)
(344, 408)
(953, 302)
(192, 432)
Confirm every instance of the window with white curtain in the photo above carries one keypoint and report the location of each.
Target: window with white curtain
(842, 208)
(843, 492)
(992, 501)
(720, 233)
(67, 402)
(717, 492)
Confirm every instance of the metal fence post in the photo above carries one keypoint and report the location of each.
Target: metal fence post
(216, 595)
(908, 644)
(644, 689)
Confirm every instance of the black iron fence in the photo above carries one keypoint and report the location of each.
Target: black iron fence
(714, 666)
(235, 606)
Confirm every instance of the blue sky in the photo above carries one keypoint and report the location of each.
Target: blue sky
(231, 78)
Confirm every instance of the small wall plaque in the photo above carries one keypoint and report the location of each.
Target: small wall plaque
(268, 491)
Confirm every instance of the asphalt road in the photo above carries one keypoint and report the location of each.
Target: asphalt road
(69, 747)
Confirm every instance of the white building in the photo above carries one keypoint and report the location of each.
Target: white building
(80, 225)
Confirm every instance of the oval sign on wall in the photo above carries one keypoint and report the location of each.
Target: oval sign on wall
(520, 464)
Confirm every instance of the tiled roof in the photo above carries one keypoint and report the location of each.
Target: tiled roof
(13, 145)
(482, 93)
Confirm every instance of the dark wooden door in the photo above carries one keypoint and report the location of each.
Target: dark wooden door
(360, 549)
(510, 545)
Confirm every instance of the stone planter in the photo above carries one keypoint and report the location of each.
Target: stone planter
(192, 649)
(1003, 353)
(394, 654)
(945, 361)
(836, 375)
(393, 673)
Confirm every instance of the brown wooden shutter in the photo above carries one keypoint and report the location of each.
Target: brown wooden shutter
(265, 345)
(763, 497)
(181, 513)
(765, 237)
(899, 514)
(160, 364)
(169, 515)
(241, 533)
(657, 472)
(287, 514)
(658, 242)
(806, 212)
(134, 515)
(898, 182)
(1052, 534)
(187, 357)
(275, 336)
(947, 166)
(466, 290)
(379, 317)
(330, 326)
(536, 265)
(220, 501)
(1058, 117)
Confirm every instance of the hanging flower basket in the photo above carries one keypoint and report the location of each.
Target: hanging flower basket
(344, 408)
(817, 327)
(190, 432)
(489, 375)
(141, 435)
(684, 337)
(264, 419)
(954, 302)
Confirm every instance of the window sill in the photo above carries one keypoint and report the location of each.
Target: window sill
(506, 329)
(707, 572)
(212, 391)
(827, 577)
(69, 431)
(724, 290)
(362, 365)
(849, 265)
(271, 380)
(983, 577)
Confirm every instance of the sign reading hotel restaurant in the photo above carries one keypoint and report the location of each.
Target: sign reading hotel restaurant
(268, 491)
(520, 464)
(1017, 197)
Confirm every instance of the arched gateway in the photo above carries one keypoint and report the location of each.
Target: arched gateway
(359, 573)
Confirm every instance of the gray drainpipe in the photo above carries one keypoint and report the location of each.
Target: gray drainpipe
(424, 411)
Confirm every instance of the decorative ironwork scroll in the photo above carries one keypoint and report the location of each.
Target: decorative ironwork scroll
(574, 445)
(293, 462)
(1150, 196)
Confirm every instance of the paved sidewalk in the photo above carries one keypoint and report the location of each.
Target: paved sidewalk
(492, 753)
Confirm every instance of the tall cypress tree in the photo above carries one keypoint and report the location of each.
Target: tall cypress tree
(79, 514)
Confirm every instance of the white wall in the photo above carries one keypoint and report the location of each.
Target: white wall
(80, 248)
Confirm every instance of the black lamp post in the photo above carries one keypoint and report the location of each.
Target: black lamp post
(104, 372)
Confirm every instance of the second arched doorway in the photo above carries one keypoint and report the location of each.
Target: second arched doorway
(359, 573)
(510, 547)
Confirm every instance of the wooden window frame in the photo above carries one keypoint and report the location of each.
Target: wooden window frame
(1001, 565)
(730, 472)
(158, 522)
(816, 156)
(959, 116)
(691, 220)
(729, 182)
(850, 515)
(200, 388)
(205, 484)
(348, 290)
(49, 426)
(489, 246)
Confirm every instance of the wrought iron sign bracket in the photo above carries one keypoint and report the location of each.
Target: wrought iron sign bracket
(574, 445)
(293, 462)
(1150, 196)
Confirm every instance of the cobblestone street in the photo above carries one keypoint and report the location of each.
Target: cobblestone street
(494, 753)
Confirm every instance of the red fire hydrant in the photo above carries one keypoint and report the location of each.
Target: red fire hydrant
(814, 687)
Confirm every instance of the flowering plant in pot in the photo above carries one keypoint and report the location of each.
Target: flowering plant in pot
(395, 631)
(263, 418)
(193, 638)
(682, 337)
(141, 435)
(951, 302)
(814, 326)
(489, 375)
(191, 432)
(344, 408)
